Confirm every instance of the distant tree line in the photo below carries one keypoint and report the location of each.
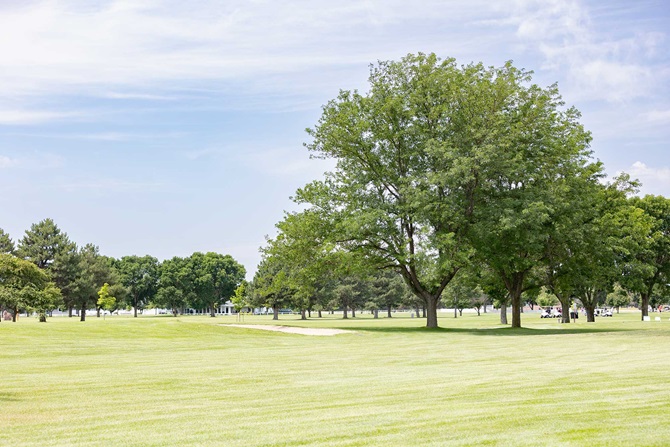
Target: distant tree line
(461, 180)
(45, 270)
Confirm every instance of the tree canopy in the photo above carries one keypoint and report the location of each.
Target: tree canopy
(439, 161)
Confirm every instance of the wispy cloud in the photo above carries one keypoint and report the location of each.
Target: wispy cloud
(109, 185)
(655, 180)
(27, 117)
(138, 96)
(147, 50)
(658, 116)
(31, 161)
(286, 162)
(6, 162)
(614, 66)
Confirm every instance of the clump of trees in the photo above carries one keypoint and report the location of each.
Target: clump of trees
(446, 171)
(46, 270)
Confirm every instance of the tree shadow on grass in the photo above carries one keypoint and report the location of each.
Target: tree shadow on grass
(492, 331)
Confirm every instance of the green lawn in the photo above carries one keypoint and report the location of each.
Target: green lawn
(157, 381)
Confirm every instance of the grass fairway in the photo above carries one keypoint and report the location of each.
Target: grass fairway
(155, 381)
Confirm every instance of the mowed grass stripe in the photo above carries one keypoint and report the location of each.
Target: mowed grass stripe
(191, 381)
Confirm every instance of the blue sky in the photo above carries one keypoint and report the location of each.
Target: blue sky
(168, 127)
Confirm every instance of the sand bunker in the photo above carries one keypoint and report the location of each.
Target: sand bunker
(291, 330)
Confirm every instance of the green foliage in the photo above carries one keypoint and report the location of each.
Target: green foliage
(388, 290)
(438, 160)
(461, 293)
(91, 272)
(606, 245)
(240, 299)
(618, 297)
(24, 286)
(175, 285)
(270, 286)
(215, 278)
(105, 300)
(43, 242)
(65, 271)
(648, 263)
(6, 243)
(546, 299)
(140, 276)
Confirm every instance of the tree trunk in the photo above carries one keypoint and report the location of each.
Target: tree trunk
(43, 317)
(565, 310)
(303, 315)
(423, 312)
(503, 314)
(460, 312)
(431, 309)
(275, 313)
(15, 315)
(98, 312)
(344, 314)
(485, 307)
(135, 309)
(69, 312)
(590, 312)
(376, 312)
(478, 312)
(388, 312)
(353, 312)
(617, 309)
(309, 313)
(644, 306)
(319, 313)
(455, 311)
(212, 311)
(82, 312)
(516, 310)
(418, 311)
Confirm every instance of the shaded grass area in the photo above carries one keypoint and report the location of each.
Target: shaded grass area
(157, 381)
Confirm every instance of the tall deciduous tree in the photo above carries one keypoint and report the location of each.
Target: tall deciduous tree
(140, 276)
(539, 164)
(175, 285)
(607, 245)
(434, 148)
(307, 261)
(269, 287)
(650, 265)
(215, 279)
(24, 286)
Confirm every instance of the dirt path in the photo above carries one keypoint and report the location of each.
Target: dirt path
(292, 330)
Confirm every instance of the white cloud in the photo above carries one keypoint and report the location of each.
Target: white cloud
(655, 180)
(26, 117)
(658, 116)
(6, 162)
(31, 161)
(614, 66)
(138, 96)
(145, 49)
(109, 185)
